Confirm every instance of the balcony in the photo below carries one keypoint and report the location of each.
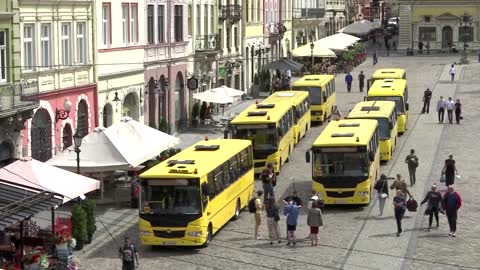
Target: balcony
(309, 13)
(230, 12)
(18, 97)
(207, 43)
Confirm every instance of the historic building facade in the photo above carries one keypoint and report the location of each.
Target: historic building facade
(308, 21)
(57, 61)
(254, 49)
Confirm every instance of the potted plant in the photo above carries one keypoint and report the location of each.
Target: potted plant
(35, 259)
(89, 206)
(62, 236)
(79, 226)
(195, 113)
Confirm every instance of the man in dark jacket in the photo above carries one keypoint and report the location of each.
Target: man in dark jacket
(412, 161)
(451, 203)
(427, 96)
(433, 198)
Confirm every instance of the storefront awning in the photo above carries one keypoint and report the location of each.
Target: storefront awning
(18, 203)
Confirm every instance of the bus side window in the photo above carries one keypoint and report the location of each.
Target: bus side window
(233, 169)
(211, 185)
(245, 160)
(226, 175)
(218, 179)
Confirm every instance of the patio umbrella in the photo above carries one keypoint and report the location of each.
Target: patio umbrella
(228, 90)
(37, 175)
(284, 65)
(362, 27)
(218, 95)
(337, 42)
(318, 51)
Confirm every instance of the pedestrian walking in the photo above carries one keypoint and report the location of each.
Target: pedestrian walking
(427, 96)
(399, 209)
(412, 161)
(375, 58)
(452, 72)
(272, 221)
(129, 255)
(348, 80)
(399, 184)
(427, 46)
(314, 220)
(449, 170)
(433, 199)
(258, 213)
(361, 80)
(451, 203)
(450, 109)
(291, 210)
(441, 105)
(381, 186)
(458, 111)
(420, 47)
(267, 178)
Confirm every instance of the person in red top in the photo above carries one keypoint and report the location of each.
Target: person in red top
(451, 203)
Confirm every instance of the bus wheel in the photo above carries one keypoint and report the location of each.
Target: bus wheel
(209, 236)
(237, 210)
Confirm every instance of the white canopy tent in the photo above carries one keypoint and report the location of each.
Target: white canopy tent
(337, 42)
(318, 51)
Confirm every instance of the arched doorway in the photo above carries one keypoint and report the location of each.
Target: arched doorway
(82, 118)
(130, 106)
(151, 103)
(67, 136)
(179, 100)
(107, 115)
(447, 37)
(7, 153)
(41, 134)
(162, 100)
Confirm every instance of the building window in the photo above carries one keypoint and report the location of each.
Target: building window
(161, 23)
(125, 16)
(46, 44)
(235, 37)
(106, 24)
(465, 34)
(134, 23)
(190, 20)
(199, 20)
(150, 33)
(247, 12)
(28, 47)
(81, 43)
(178, 23)
(205, 18)
(427, 33)
(259, 11)
(229, 38)
(3, 56)
(66, 44)
(427, 18)
(212, 19)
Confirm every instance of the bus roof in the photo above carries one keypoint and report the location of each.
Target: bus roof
(388, 87)
(262, 113)
(347, 132)
(389, 73)
(372, 109)
(308, 80)
(204, 156)
(294, 97)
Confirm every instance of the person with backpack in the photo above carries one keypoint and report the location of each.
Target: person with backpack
(451, 203)
(272, 220)
(129, 255)
(433, 198)
(412, 161)
(381, 186)
(255, 206)
(292, 211)
(314, 220)
(399, 205)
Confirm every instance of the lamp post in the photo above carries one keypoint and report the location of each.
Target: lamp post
(62, 114)
(312, 46)
(77, 140)
(465, 24)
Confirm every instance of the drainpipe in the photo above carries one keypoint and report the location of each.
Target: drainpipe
(94, 60)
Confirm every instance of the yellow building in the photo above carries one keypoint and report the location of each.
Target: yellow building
(438, 23)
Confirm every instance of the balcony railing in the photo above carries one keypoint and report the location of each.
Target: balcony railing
(309, 13)
(230, 12)
(18, 96)
(206, 43)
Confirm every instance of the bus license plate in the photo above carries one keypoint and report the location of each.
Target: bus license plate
(169, 243)
(341, 201)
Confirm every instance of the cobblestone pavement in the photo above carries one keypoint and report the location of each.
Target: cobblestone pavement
(353, 237)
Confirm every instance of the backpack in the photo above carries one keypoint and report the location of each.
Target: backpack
(127, 253)
(251, 206)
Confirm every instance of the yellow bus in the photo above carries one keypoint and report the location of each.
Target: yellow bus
(346, 161)
(270, 128)
(187, 198)
(392, 90)
(301, 107)
(384, 112)
(387, 73)
(323, 97)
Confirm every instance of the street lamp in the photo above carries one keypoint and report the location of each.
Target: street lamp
(312, 46)
(62, 114)
(77, 140)
(466, 22)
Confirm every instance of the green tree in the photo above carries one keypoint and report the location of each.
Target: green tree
(79, 226)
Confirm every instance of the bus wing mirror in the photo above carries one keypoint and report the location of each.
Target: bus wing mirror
(307, 156)
(371, 156)
(205, 189)
(324, 99)
(280, 133)
(407, 106)
(390, 125)
(225, 134)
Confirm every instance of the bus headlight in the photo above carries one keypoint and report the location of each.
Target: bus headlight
(145, 233)
(195, 234)
(363, 193)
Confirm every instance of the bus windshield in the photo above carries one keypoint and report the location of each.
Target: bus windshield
(340, 164)
(383, 128)
(171, 197)
(399, 108)
(263, 137)
(315, 93)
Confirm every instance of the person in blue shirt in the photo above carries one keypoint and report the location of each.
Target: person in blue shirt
(348, 80)
(291, 210)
